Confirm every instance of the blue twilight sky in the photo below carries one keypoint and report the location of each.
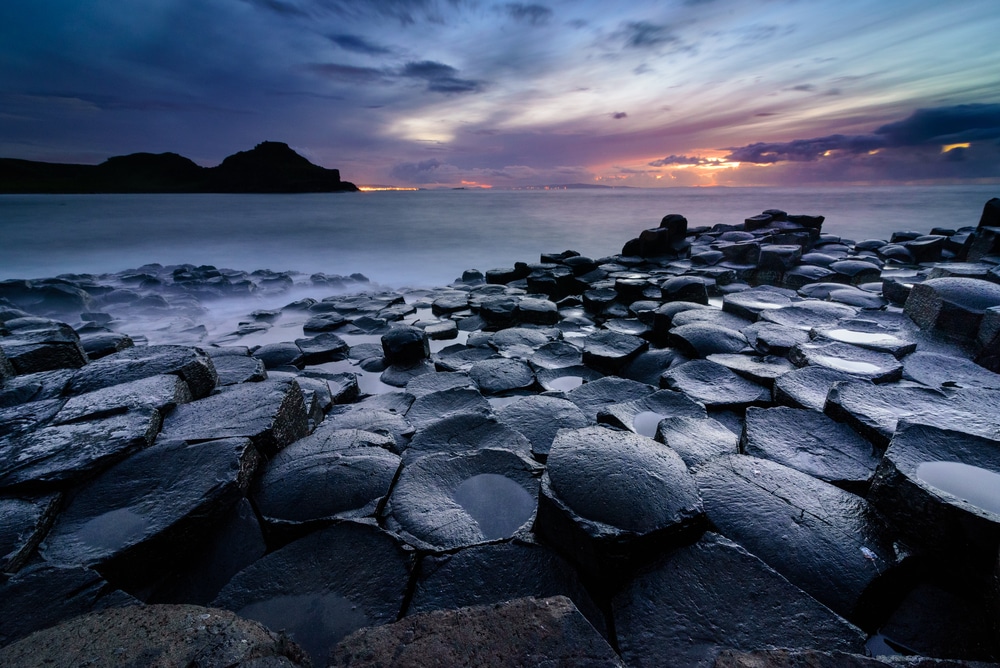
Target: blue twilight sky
(425, 92)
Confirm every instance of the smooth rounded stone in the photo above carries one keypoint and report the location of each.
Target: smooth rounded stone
(592, 396)
(610, 499)
(450, 500)
(439, 381)
(598, 299)
(861, 362)
(155, 635)
(464, 432)
(538, 418)
(450, 302)
(271, 414)
(940, 489)
(812, 443)
(322, 348)
(762, 369)
(859, 298)
(498, 310)
(433, 406)
(819, 259)
(867, 334)
(537, 311)
(520, 341)
(808, 387)
(750, 303)
(608, 351)
(714, 385)
(442, 330)
(710, 316)
(405, 345)
(275, 355)
(495, 376)
(696, 602)
(951, 305)
(161, 393)
(642, 415)
(807, 274)
(377, 420)
(365, 351)
(896, 253)
(650, 365)
(306, 484)
(809, 314)
(520, 632)
(102, 344)
(823, 539)
(327, 438)
(235, 369)
(399, 375)
(696, 439)
(460, 357)
(58, 455)
(556, 355)
(663, 316)
(140, 518)
(630, 326)
(23, 524)
(874, 410)
(703, 339)
(685, 289)
(856, 272)
(191, 364)
(773, 339)
(566, 379)
(322, 587)
(707, 258)
(324, 322)
(938, 371)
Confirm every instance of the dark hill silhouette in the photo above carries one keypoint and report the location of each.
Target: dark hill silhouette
(270, 167)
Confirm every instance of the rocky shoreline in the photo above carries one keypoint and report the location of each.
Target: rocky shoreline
(747, 445)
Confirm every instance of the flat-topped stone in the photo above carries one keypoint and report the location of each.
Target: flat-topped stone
(861, 362)
(714, 385)
(696, 439)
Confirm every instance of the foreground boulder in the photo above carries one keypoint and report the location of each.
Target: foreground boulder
(191, 364)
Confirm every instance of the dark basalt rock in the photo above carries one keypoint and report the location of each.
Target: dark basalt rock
(537, 311)
(23, 524)
(271, 414)
(376, 420)
(324, 586)
(857, 272)
(538, 418)
(611, 499)
(608, 351)
(34, 347)
(434, 406)
(750, 303)
(823, 539)
(867, 334)
(405, 345)
(501, 375)
(710, 316)
(102, 344)
(861, 362)
(522, 632)
(191, 364)
(138, 518)
(22, 418)
(161, 393)
(799, 658)
(279, 355)
(398, 375)
(714, 385)
(762, 369)
(463, 432)
(438, 382)
(809, 314)
(696, 439)
(939, 488)
(685, 289)
(808, 387)
(874, 410)
(498, 310)
(642, 415)
(324, 322)
(450, 302)
(446, 501)
(940, 371)
(648, 366)
(521, 342)
(566, 379)
(57, 455)
(812, 443)
(703, 339)
(235, 369)
(779, 257)
(594, 395)
(718, 586)
(771, 338)
(556, 355)
(951, 305)
(322, 348)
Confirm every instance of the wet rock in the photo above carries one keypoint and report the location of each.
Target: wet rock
(57, 455)
(138, 518)
(161, 393)
(278, 355)
(450, 302)
(438, 382)
(324, 586)
(498, 310)
(191, 364)
(162, 635)
(718, 587)
(398, 375)
(773, 339)
(940, 371)
(593, 396)
(522, 632)
(235, 369)
(808, 387)
(22, 418)
(779, 257)
(434, 406)
(696, 439)
(809, 314)
(271, 414)
(462, 432)
(939, 488)
(322, 348)
(650, 365)
(870, 335)
(611, 499)
(608, 351)
(762, 369)
(861, 362)
(750, 303)
(812, 443)
(857, 272)
(379, 421)
(405, 345)
(874, 410)
(23, 524)
(642, 415)
(685, 289)
(441, 330)
(556, 355)
(501, 375)
(445, 501)
(537, 311)
(566, 379)
(33, 346)
(538, 418)
(823, 539)
(951, 305)
(703, 339)
(102, 344)
(324, 322)
(788, 658)
(714, 385)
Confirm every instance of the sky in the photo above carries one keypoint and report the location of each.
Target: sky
(481, 93)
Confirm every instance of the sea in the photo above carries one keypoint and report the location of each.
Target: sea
(421, 238)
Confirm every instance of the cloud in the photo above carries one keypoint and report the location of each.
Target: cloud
(278, 7)
(683, 160)
(533, 14)
(618, 115)
(349, 73)
(416, 172)
(358, 44)
(803, 88)
(802, 150)
(646, 35)
(440, 78)
(944, 125)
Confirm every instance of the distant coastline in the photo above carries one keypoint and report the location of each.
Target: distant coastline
(270, 167)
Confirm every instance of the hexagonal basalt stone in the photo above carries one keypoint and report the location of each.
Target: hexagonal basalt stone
(191, 364)
(434, 406)
(870, 336)
(594, 395)
(642, 415)
(809, 314)
(861, 362)
(609, 351)
(939, 371)
(750, 303)
(445, 501)
(501, 375)
(610, 499)
(714, 385)
(696, 439)
(23, 524)
(808, 387)
(763, 369)
(405, 345)
(952, 305)
(539, 418)
(704, 339)
(464, 432)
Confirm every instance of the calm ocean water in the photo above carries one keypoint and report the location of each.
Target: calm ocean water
(421, 238)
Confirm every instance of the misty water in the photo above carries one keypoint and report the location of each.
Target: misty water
(423, 238)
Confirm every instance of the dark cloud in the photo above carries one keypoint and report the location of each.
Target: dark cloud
(646, 35)
(440, 78)
(533, 14)
(416, 172)
(618, 115)
(944, 125)
(683, 160)
(803, 88)
(803, 150)
(278, 7)
(358, 45)
(349, 73)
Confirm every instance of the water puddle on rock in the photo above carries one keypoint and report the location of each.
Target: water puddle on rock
(972, 484)
(316, 622)
(853, 336)
(112, 530)
(497, 503)
(564, 383)
(645, 423)
(850, 366)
